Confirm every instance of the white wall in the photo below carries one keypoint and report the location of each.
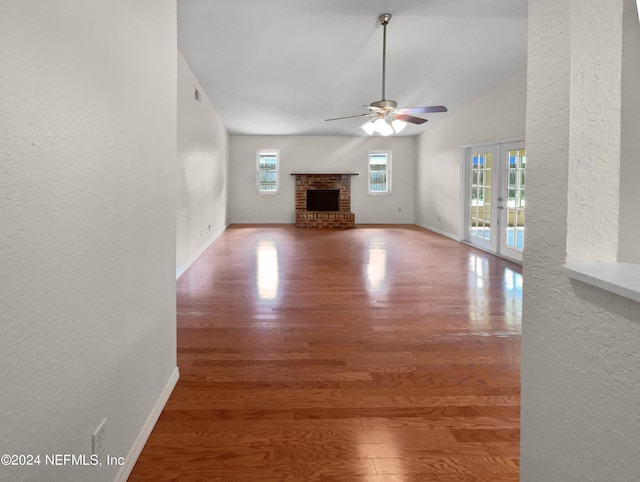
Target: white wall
(320, 155)
(594, 153)
(87, 200)
(203, 166)
(498, 114)
(629, 232)
(580, 345)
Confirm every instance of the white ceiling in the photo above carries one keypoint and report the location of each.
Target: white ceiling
(281, 67)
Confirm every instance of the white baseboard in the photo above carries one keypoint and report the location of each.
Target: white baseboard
(439, 231)
(181, 269)
(147, 428)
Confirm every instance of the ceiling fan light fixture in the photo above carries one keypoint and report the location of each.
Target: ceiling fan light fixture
(398, 125)
(382, 127)
(368, 127)
(379, 124)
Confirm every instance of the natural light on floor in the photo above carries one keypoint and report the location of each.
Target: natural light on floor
(267, 275)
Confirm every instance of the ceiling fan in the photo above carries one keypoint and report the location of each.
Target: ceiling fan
(386, 117)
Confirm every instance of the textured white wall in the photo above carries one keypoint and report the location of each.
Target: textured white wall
(629, 229)
(203, 166)
(322, 155)
(87, 200)
(580, 346)
(498, 114)
(595, 132)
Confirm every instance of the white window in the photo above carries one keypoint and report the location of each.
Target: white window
(380, 172)
(267, 174)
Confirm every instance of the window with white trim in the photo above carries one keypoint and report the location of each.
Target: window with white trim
(379, 172)
(267, 172)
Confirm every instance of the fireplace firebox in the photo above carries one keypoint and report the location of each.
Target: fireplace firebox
(323, 200)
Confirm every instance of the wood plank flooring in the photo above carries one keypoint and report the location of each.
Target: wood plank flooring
(382, 353)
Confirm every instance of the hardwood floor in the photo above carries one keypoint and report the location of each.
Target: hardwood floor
(382, 353)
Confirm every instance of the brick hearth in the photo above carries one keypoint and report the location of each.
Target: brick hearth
(343, 218)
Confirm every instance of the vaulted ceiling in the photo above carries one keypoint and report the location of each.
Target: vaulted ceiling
(281, 67)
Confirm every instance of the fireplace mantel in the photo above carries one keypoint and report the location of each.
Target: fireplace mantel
(324, 173)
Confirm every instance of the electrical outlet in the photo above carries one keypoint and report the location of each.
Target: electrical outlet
(97, 439)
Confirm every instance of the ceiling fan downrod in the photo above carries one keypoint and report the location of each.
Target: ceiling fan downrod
(384, 21)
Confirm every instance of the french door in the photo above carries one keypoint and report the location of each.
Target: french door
(495, 197)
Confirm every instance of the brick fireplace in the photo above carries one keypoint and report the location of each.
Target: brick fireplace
(340, 218)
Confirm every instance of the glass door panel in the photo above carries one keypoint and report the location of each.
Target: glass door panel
(512, 200)
(481, 193)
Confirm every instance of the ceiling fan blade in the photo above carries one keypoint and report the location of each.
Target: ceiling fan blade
(350, 117)
(424, 110)
(410, 118)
